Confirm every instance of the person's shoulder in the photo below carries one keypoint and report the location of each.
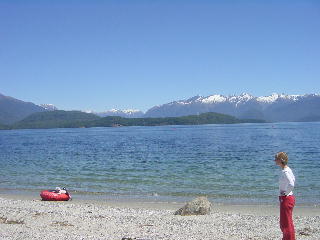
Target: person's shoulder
(286, 169)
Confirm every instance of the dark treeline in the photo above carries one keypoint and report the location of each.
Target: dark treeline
(77, 119)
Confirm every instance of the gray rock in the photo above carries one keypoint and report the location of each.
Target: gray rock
(198, 206)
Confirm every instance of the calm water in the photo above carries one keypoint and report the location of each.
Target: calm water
(228, 163)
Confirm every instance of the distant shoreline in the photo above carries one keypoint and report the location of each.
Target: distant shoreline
(76, 119)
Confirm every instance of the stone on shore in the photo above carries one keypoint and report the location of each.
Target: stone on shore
(198, 206)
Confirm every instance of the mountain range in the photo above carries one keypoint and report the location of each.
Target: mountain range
(273, 108)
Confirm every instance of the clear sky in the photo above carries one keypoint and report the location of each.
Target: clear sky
(135, 54)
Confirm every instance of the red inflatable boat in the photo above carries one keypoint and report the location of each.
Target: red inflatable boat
(52, 195)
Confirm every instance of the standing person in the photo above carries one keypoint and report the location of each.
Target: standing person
(287, 200)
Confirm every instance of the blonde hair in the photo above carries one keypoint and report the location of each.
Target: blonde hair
(283, 157)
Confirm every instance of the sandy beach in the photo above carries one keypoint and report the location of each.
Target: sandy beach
(31, 218)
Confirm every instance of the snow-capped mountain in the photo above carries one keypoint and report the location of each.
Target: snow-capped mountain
(128, 113)
(276, 107)
(49, 107)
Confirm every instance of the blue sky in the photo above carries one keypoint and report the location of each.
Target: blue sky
(137, 54)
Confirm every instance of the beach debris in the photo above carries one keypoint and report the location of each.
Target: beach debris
(198, 206)
(7, 221)
(129, 238)
(146, 225)
(62, 224)
(306, 231)
(99, 216)
(37, 214)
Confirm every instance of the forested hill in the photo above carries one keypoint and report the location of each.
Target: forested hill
(3, 127)
(205, 118)
(56, 119)
(13, 110)
(77, 119)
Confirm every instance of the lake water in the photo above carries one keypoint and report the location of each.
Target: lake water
(228, 163)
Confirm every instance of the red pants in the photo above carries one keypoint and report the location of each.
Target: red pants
(286, 223)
